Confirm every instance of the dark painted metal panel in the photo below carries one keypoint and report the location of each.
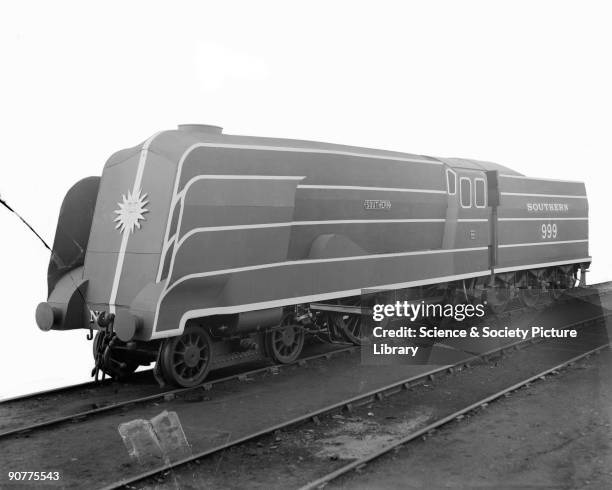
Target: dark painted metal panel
(307, 278)
(535, 207)
(319, 169)
(541, 186)
(515, 256)
(73, 229)
(371, 237)
(328, 204)
(531, 231)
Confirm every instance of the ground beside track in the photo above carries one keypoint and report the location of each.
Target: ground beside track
(554, 434)
(304, 453)
(19, 412)
(90, 453)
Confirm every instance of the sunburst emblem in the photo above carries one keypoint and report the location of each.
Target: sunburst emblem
(131, 211)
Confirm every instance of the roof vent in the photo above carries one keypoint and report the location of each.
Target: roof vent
(200, 128)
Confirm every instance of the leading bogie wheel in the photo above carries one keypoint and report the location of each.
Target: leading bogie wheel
(186, 360)
(284, 343)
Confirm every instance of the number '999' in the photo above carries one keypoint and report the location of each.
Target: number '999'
(33, 475)
(548, 231)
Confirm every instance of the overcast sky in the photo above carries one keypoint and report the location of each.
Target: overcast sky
(527, 84)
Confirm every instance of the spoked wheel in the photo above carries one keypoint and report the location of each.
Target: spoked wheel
(285, 342)
(347, 324)
(113, 365)
(498, 298)
(186, 360)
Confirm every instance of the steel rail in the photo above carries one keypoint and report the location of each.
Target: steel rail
(206, 385)
(360, 463)
(93, 384)
(176, 391)
(352, 402)
(171, 394)
(53, 391)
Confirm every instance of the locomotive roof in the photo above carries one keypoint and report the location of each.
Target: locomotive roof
(187, 138)
(478, 165)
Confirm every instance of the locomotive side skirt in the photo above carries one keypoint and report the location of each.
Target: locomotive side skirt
(312, 280)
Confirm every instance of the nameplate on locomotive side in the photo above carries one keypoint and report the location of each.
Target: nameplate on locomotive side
(376, 204)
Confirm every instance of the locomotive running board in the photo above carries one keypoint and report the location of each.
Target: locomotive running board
(359, 310)
(353, 310)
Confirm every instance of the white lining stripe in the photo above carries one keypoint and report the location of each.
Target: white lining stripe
(118, 270)
(362, 188)
(167, 289)
(292, 149)
(537, 266)
(176, 198)
(173, 242)
(272, 265)
(259, 147)
(195, 179)
(126, 232)
(181, 195)
(561, 242)
(507, 176)
(563, 196)
(543, 218)
(306, 299)
(244, 177)
(471, 220)
(194, 231)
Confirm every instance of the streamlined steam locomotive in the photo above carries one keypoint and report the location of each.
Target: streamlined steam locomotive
(197, 249)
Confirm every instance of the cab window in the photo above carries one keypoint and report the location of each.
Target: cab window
(451, 182)
(465, 189)
(480, 193)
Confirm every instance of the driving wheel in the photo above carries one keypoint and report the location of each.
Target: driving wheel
(186, 360)
(285, 342)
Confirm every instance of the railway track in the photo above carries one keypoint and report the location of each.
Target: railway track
(374, 396)
(604, 288)
(160, 395)
(170, 399)
(360, 463)
(91, 385)
(150, 393)
(54, 391)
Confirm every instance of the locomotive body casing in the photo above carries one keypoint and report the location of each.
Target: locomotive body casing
(195, 224)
